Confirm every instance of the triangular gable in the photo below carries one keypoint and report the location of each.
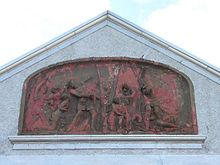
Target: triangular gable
(120, 24)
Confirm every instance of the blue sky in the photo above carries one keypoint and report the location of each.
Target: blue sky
(190, 24)
(137, 10)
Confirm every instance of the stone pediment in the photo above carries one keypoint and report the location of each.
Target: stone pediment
(109, 86)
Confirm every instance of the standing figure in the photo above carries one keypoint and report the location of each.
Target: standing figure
(119, 118)
(85, 118)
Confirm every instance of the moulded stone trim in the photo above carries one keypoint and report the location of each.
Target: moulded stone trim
(87, 142)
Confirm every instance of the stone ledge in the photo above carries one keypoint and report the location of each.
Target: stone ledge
(71, 142)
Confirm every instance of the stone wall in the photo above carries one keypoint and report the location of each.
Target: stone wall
(110, 42)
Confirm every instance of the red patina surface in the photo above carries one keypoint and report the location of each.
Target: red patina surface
(108, 96)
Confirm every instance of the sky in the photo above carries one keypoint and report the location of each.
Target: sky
(192, 25)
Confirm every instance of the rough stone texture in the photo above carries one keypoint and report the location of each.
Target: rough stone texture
(109, 42)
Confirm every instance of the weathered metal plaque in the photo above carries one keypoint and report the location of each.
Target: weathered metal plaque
(108, 96)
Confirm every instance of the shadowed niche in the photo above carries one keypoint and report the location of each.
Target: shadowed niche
(108, 96)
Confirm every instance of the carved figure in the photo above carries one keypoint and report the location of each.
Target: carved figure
(86, 114)
(119, 119)
(160, 118)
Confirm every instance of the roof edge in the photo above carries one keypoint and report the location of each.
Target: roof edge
(4, 68)
(177, 50)
(118, 19)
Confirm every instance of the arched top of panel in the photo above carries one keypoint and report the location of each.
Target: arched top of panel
(108, 96)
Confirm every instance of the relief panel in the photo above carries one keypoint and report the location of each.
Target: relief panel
(108, 96)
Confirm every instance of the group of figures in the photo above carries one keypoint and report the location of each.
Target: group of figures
(97, 99)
